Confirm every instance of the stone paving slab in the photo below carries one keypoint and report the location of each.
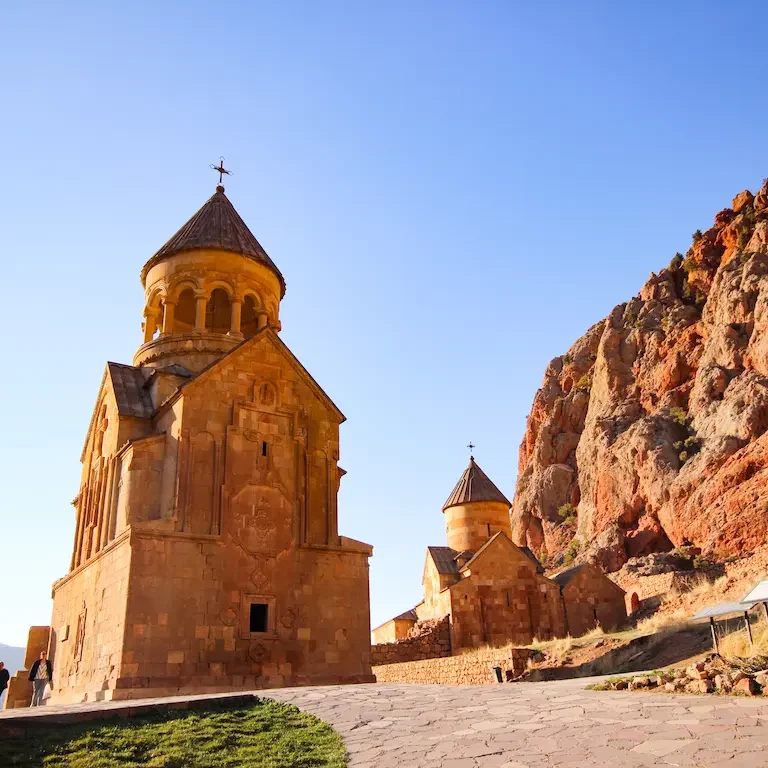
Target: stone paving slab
(536, 725)
(519, 725)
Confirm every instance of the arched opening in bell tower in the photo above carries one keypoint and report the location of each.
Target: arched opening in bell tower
(184, 318)
(249, 319)
(218, 312)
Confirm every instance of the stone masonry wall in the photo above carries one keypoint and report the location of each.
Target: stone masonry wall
(657, 585)
(471, 668)
(591, 599)
(432, 641)
(504, 601)
(88, 625)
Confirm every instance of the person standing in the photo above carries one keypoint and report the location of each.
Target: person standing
(4, 677)
(40, 675)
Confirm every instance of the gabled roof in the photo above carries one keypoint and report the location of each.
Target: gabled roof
(527, 552)
(485, 546)
(564, 577)
(444, 559)
(265, 332)
(131, 395)
(216, 225)
(501, 535)
(474, 485)
(405, 616)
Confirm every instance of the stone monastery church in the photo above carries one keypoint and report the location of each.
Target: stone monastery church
(495, 592)
(207, 555)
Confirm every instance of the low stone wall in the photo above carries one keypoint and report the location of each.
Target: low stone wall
(471, 668)
(430, 639)
(659, 584)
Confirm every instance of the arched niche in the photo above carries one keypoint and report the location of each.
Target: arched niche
(218, 312)
(184, 317)
(249, 318)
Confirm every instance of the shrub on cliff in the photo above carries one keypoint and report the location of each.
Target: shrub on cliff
(567, 513)
(571, 552)
(679, 415)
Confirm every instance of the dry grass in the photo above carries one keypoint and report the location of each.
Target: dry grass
(737, 643)
(558, 650)
(665, 623)
(594, 634)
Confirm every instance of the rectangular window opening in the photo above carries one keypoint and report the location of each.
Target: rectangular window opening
(489, 529)
(258, 617)
(264, 449)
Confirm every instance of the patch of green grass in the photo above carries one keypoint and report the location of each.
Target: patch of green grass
(268, 735)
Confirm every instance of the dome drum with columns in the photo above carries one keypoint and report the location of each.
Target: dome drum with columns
(208, 288)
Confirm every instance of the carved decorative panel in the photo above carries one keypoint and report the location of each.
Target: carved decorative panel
(203, 481)
(260, 520)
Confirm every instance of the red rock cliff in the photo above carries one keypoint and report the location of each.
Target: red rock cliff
(651, 432)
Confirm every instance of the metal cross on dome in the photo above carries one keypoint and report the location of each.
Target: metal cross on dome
(221, 169)
(471, 449)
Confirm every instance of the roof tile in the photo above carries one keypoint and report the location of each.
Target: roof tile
(131, 395)
(216, 225)
(474, 485)
(444, 559)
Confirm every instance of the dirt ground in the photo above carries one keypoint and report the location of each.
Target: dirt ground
(623, 653)
(661, 634)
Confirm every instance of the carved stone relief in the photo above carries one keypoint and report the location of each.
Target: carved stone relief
(229, 615)
(260, 520)
(262, 572)
(257, 652)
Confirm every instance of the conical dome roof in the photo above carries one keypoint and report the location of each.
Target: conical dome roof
(474, 485)
(216, 225)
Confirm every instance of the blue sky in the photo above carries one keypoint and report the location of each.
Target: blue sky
(454, 191)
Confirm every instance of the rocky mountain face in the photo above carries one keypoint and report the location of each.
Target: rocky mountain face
(650, 433)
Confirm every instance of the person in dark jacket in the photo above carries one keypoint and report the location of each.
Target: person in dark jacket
(4, 677)
(40, 675)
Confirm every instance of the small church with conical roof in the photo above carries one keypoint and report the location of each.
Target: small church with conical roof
(207, 555)
(493, 591)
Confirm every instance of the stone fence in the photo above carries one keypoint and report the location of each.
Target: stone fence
(470, 668)
(428, 639)
(659, 585)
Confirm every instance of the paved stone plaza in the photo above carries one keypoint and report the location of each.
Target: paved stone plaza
(524, 725)
(537, 725)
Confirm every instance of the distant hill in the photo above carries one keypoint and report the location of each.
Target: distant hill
(12, 657)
